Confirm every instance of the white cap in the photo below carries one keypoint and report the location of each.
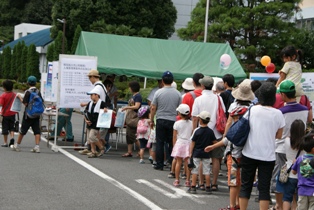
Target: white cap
(188, 84)
(174, 84)
(183, 109)
(204, 115)
(94, 91)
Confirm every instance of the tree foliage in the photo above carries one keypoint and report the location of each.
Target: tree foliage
(23, 74)
(252, 28)
(125, 17)
(76, 37)
(32, 66)
(6, 62)
(38, 11)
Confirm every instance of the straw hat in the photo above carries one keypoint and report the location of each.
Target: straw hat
(188, 84)
(243, 92)
(93, 73)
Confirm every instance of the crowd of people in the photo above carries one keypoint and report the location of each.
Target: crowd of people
(182, 130)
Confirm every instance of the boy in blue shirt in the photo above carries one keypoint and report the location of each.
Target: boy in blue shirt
(202, 137)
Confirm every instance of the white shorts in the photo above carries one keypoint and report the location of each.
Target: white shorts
(205, 163)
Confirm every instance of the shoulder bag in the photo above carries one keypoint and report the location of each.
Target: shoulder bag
(284, 171)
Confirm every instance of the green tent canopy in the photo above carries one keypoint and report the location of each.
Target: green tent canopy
(145, 57)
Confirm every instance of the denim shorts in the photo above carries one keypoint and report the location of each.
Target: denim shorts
(288, 189)
(143, 143)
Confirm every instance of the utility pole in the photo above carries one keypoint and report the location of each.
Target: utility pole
(63, 21)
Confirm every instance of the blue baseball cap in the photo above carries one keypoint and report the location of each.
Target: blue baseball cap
(167, 74)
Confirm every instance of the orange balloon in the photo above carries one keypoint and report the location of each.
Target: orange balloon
(265, 60)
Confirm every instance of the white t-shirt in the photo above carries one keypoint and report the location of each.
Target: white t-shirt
(290, 154)
(208, 101)
(184, 131)
(102, 92)
(264, 124)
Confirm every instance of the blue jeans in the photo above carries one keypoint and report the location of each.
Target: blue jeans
(62, 123)
(164, 132)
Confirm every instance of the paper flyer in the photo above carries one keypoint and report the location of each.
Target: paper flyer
(104, 119)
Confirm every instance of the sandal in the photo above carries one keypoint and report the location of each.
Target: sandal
(176, 183)
(214, 187)
(187, 183)
(201, 187)
(127, 155)
(229, 208)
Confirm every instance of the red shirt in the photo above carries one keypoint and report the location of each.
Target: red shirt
(303, 101)
(6, 100)
(189, 100)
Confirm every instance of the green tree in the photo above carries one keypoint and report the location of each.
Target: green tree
(38, 11)
(6, 62)
(32, 67)
(304, 40)
(128, 17)
(12, 72)
(23, 75)
(252, 28)
(58, 46)
(18, 58)
(76, 38)
(50, 52)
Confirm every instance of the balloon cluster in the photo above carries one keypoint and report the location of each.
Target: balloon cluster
(225, 61)
(269, 66)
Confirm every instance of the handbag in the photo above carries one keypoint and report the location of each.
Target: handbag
(131, 118)
(17, 124)
(284, 171)
(239, 131)
(221, 119)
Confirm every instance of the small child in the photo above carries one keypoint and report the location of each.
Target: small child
(182, 130)
(202, 137)
(305, 172)
(6, 100)
(292, 69)
(143, 130)
(93, 108)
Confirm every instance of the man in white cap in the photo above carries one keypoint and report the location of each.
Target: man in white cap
(208, 101)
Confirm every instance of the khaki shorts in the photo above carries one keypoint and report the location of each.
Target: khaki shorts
(102, 133)
(92, 135)
(130, 135)
(206, 165)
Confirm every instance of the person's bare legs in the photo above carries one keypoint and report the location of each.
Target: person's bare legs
(216, 168)
(93, 147)
(37, 139)
(279, 203)
(263, 205)
(142, 153)
(130, 148)
(178, 167)
(5, 139)
(243, 203)
(20, 138)
(207, 177)
(234, 195)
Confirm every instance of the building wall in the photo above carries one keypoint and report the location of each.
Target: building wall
(24, 29)
(305, 18)
(184, 9)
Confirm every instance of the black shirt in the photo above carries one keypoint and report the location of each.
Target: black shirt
(203, 137)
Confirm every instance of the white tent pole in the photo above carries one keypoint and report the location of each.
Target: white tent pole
(206, 21)
(145, 81)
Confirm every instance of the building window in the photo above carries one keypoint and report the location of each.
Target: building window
(20, 35)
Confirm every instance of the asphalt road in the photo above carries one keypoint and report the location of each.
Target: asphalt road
(68, 180)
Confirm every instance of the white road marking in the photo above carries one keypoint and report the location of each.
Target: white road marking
(158, 189)
(111, 180)
(181, 192)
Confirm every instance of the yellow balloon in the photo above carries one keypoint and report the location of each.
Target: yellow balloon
(265, 60)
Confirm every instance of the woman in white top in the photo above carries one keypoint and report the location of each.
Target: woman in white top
(266, 124)
(293, 149)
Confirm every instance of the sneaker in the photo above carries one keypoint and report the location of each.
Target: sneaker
(107, 149)
(92, 155)
(208, 190)
(101, 153)
(187, 183)
(151, 159)
(176, 183)
(35, 150)
(84, 152)
(171, 175)
(192, 190)
(11, 142)
(4, 145)
(142, 161)
(15, 148)
(183, 176)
